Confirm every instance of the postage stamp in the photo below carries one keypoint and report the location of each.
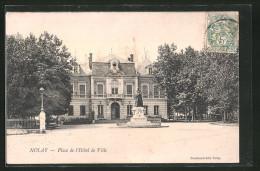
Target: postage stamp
(222, 32)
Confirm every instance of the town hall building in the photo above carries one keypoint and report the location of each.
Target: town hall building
(110, 86)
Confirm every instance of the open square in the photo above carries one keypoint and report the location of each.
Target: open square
(122, 87)
(178, 143)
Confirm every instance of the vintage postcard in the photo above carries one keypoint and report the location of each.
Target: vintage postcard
(122, 87)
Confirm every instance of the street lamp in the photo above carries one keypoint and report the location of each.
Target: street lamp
(42, 91)
(42, 114)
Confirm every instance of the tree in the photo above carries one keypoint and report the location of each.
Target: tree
(222, 83)
(178, 73)
(33, 63)
(166, 69)
(195, 81)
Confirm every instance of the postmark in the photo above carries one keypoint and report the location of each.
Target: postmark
(222, 32)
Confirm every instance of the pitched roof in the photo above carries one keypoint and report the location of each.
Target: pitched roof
(110, 57)
(145, 63)
(103, 69)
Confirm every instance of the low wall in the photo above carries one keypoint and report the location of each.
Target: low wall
(21, 131)
(22, 124)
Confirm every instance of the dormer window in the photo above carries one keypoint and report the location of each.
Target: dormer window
(150, 71)
(75, 69)
(114, 65)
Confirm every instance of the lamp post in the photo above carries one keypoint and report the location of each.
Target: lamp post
(42, 114)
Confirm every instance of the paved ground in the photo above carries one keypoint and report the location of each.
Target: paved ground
(178, 143)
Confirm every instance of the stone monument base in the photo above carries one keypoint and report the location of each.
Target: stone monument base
(139, 120)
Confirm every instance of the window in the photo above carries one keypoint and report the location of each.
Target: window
(82, 110)
(155, 91)
(100, 90)
(129, 110)
(146, 110)
(156, 110)
(114, 90)
(145, 91)
(162, 93)
(75, 69)
(150, 71)
(82, 90)
(114, 86)
(129, 90)
(72, 88)
(70, 110)
(100, 111)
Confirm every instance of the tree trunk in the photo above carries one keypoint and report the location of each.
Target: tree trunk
(189, 113)
(185, 114)
(225, 119)
(193, 113)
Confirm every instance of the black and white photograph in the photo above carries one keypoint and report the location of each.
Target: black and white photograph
(99, 87)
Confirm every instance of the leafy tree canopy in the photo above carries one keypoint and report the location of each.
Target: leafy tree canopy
(33, 63)
(196, 81)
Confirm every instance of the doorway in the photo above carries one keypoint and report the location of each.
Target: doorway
(115, 111)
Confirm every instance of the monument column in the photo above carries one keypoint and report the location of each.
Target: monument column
(42, 114)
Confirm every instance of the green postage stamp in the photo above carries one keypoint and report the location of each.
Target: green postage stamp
(222, 32)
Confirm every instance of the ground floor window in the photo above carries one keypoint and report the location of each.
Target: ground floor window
(70, 112)
(156, 110)
(146, 110)
(100, 111)
(82, 110)
(129, 110)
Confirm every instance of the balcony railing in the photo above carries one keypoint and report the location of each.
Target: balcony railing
(129, 96)
(76, 95)
(116, 96)
(154, 96)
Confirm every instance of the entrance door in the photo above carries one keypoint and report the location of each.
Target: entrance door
(115, 111)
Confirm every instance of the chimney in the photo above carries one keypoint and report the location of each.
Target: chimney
(131, 58)
(90, 60)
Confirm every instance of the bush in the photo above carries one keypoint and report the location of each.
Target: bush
(70, 120)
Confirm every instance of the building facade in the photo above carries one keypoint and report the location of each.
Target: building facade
(109, 87)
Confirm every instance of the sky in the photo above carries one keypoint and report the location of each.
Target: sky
(119, 33)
